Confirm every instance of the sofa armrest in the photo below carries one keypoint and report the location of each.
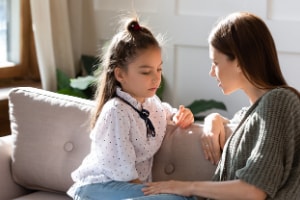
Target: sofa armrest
(181, 156)
(9, 189)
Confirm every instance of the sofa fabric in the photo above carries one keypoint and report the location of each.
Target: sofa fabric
(50, 137)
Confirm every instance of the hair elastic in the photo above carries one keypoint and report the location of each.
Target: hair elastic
(134, 26)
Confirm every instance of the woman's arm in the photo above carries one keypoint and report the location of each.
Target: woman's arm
(235, 189)
(213, 137)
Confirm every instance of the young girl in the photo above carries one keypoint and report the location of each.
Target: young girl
(130, 121)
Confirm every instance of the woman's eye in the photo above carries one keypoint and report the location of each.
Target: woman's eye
(145, 73)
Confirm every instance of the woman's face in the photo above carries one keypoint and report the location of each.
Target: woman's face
(227, 72)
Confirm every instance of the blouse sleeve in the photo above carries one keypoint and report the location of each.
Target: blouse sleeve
(112, 146)
(169, 110)
(273, 149)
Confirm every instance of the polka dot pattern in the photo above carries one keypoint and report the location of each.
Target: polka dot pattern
(120, 148)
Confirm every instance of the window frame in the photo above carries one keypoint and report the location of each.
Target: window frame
(28, 66)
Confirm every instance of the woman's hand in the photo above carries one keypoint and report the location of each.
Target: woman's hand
(184, 117)
(169, 187)
(213, 137)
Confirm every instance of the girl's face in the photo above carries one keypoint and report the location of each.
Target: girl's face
(143, 75)
(227, 72)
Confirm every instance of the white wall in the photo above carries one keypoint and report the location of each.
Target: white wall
(186, 25)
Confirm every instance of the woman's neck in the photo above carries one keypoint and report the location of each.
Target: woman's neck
(254, 94)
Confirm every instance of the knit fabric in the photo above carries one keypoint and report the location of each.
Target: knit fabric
(264, 150)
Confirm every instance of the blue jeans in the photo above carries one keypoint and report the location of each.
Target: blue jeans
(115, 190)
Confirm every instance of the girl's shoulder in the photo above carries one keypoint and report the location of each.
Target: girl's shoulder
(114, 105)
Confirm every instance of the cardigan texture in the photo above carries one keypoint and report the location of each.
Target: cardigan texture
(264, 150)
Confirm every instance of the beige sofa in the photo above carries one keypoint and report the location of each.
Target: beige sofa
(49, 138)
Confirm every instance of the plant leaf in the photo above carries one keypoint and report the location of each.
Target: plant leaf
(72, 92)
(82, 83)
(202, 105)
(63, 81)
(90, 63)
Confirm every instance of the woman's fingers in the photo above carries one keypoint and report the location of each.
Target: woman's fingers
(211, 147)
(170, 187)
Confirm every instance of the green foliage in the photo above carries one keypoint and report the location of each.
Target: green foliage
(83, 85)
(82, 82)
(161, 88)
(202, 105)
(64, 86)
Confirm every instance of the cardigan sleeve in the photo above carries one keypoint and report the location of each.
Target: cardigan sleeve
(273, 164)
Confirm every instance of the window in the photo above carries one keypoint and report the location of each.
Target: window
(9, 32)
(17, 50)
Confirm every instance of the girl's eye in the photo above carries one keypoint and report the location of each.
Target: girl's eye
(145, 73)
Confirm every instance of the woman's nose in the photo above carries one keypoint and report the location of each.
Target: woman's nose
(212, 71)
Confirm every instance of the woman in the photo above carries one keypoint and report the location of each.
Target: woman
(261, 159)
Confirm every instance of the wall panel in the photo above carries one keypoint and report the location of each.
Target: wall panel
(186, 25)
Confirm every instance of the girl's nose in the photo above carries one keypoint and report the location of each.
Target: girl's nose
(156, 77)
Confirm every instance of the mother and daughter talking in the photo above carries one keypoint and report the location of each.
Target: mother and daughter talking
(261, 158)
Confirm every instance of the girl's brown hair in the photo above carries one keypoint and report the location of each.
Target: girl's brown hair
(123, 49)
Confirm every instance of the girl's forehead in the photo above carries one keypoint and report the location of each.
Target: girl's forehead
(148, 56)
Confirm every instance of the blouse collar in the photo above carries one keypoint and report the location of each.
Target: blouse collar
(131, 99)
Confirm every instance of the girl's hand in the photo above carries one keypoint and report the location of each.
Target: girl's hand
(213, 137)
(184, 117)
(135, 181)
(169, 187)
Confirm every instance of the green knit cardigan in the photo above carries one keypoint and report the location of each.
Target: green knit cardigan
(264, 150)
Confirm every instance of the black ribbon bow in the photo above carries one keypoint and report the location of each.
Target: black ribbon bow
(144, 114)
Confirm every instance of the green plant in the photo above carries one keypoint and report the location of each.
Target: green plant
(199, 106)
(82, 86)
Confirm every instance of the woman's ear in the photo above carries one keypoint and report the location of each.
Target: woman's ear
(118, 72)
(238, 67)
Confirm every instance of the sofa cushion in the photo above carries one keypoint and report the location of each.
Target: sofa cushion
(181, 156)
(51, 137)
(42, 195)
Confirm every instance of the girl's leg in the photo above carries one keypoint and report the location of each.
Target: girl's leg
(109, 191)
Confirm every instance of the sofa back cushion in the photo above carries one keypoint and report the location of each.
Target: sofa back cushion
(51, 137)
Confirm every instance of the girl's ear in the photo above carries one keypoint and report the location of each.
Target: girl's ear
(118, 72)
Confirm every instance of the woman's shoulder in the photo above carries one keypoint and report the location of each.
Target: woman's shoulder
(282, 94)
(280, 101)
